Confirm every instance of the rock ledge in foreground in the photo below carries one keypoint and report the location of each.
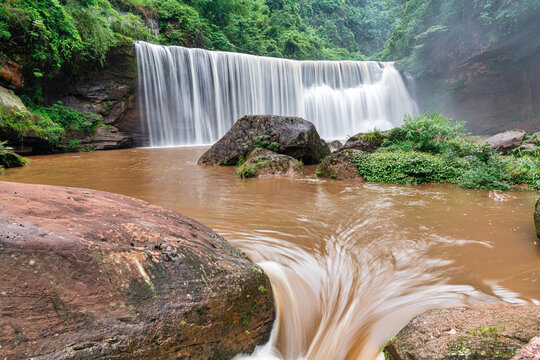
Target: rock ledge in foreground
(491, 332)
(92, 275)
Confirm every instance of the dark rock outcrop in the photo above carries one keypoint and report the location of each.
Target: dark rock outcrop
(291, 136)
(340, 165)
(537, 218)
(105, 137)
(263, 162)
(506, 141)
(493, 332)
(87, 275)
(109, 91)
(367, 142)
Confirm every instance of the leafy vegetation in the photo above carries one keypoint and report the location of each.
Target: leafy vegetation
(429, 31)
(245, 171)
(28, 124)
(432, 149)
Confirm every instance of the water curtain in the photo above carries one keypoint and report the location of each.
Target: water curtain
(193, 96)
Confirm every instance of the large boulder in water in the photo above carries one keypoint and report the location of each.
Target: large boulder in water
(287, 135)
(87, 275)
(491, 332)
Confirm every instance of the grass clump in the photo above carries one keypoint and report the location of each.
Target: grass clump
(432, 149)
(407, 167)
(245, 171)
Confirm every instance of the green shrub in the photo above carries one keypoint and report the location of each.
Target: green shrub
(74, 145)
(431, 133)
(70, 119)
(486, 175)
(27, 124)
(408, 167)
(245, 171)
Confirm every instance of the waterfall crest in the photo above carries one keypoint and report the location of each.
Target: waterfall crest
(193, 96)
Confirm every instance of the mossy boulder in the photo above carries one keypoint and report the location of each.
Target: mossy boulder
(286, 135)
(263, 162)
(9, 100)
(366, 142)
(9, 159)
(537, 218)
(340, 165)
(88, 275)
(482, 333)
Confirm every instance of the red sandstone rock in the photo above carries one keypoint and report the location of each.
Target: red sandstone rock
(11, 74)
(88, 275)
(482, 333)
(531, 351)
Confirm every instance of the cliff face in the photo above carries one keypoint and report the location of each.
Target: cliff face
(492, 89)
(109, 91)
(490, 80)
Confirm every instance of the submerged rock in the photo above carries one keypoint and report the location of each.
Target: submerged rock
(367, 142)
(506, 141)
(537, 218)
(287, 135)
(340, 165)
(87, 274)
(263, 162)
(491, 332)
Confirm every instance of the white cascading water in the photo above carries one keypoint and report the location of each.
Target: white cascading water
(193, 96)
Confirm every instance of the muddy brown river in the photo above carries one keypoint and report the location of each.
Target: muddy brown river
(350, 263)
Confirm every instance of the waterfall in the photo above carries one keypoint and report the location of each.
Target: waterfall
(193, 96)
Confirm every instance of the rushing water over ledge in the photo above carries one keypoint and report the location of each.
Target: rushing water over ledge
(350, 263)
(193, 96)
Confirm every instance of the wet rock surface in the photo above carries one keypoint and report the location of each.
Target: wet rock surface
(492, 332)
(291, 136)
(340, 165)
(263, 162)
(90, 275)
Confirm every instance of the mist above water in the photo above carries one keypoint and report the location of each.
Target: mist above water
(193, 96)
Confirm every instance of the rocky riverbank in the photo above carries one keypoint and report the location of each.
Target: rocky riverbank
(88, 274)
(490, 332)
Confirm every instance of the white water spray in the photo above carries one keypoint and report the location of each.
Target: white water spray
(193, 96)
